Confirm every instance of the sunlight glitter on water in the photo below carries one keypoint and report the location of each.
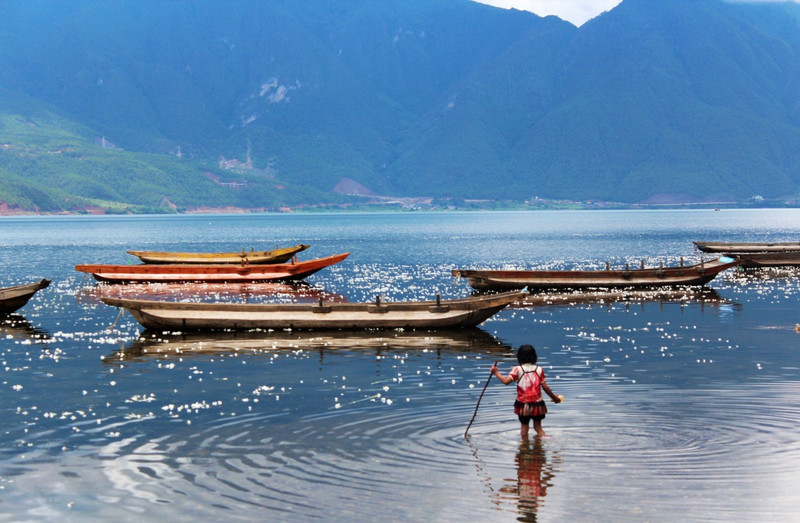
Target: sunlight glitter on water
(687, 405)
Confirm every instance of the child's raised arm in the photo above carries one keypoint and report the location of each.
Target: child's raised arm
(505, 379)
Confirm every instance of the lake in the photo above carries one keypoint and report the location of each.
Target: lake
(677, 407)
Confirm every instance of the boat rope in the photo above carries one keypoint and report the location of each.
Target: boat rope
(113, 325)
(456, 281)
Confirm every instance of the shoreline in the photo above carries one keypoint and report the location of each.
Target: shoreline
(229, 211)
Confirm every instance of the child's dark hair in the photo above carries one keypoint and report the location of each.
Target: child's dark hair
(526, 354)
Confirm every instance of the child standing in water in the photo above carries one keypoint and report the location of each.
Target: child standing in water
(530, 383)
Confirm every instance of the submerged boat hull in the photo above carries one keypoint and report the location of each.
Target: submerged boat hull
(209, 273)
(699, 274)
(769, 259)
(252, 257)
(753, 254)
(440, 314)
(14, 298)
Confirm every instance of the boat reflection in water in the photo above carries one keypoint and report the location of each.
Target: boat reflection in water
(298, 292)
(157, 345)
(14, 326)
(700, 295)
(755, 275)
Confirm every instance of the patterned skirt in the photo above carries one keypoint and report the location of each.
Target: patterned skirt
(533, 410)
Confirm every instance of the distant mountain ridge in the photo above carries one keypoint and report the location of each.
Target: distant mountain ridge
(268, 105)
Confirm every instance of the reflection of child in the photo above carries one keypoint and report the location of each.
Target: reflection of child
(530, 383)
(534, 475)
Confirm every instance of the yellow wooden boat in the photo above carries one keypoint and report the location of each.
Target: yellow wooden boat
(251, 257)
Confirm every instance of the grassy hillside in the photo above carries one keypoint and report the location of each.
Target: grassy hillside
(49, 164)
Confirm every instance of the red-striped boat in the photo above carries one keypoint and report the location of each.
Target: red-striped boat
(151, 272)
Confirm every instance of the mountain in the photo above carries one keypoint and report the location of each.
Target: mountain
(177, 105)
(690, 99)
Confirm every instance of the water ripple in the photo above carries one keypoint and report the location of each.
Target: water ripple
(638, 439)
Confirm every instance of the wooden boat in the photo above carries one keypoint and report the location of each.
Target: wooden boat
(253, 257)
(13, 298)
(439, 314)
(698, 274)
(209, 273)
(747, 247)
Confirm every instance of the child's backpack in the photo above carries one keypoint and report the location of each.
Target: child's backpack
(530, 378)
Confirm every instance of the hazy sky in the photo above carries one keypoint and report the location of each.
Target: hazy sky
(575, 11)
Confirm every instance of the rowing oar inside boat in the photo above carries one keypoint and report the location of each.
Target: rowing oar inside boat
(479, 403)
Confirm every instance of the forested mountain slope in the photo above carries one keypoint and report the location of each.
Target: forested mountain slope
(176, 105)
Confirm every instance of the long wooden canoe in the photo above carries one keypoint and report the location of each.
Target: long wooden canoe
(698, 274)
(13, 298)
(747, 247)
(252, 257)
(209, 273)
(439, 314)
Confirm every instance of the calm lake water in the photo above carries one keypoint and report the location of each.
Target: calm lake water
(676, 408)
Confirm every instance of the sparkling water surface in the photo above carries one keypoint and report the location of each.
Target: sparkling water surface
(678, 406)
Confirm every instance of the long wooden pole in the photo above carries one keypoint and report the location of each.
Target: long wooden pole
(479, 401)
